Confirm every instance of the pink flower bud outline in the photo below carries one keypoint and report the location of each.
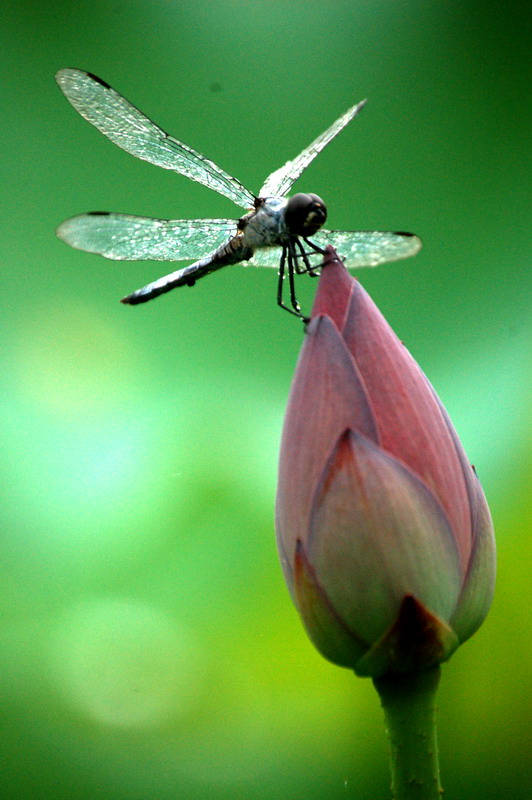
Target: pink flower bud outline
(383, 529)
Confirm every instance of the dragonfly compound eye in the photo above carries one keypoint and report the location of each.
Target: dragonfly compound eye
(305, 214)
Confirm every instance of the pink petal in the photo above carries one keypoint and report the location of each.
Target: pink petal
(479, 580)
(411, 424)
(334, 290)
(378, 534)
(329, 634)
(327, 397)
(477, 594)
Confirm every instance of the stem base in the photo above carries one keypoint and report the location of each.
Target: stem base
(409, 708)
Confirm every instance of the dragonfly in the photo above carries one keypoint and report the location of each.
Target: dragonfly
(277, 231)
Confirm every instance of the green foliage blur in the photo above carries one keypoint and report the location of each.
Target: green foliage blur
(148, 646)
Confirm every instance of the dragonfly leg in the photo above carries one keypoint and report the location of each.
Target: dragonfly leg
(292, 268)
(287, 254)
(280, 281)
(297, 256)
(309, 270)
(314, 246)
(316, 250)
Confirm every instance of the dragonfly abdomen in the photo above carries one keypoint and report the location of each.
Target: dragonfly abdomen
(232, 252)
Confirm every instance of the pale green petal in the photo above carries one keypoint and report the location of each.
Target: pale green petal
(377, 535)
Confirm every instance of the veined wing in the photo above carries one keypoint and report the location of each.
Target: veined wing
(369, 248)
(125, 237)
(355, 248)
(131, 130)
(265, 257)
(280, 181)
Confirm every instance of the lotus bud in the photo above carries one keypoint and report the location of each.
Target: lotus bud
(383, 529)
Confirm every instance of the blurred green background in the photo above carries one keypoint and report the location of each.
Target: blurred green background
(148, 645)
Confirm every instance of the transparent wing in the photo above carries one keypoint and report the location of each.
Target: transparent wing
(369, 248)
(355, 248)
(280, 181)
(124, 237)
(265, 257)
(127, 127)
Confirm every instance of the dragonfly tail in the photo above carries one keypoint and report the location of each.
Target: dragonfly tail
(182, 277)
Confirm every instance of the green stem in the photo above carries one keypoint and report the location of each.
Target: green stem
(410, 713)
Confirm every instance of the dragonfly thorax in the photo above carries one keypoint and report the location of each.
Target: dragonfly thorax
(275, 219)
(266, 226)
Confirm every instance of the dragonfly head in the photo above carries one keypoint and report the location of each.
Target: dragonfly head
(305, 214)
